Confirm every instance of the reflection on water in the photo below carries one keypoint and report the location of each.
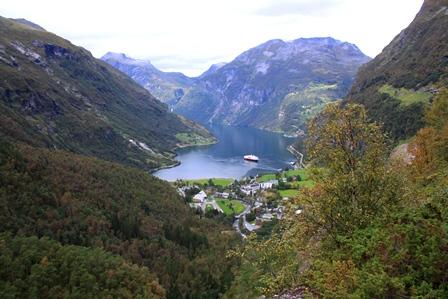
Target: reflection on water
(225, 159)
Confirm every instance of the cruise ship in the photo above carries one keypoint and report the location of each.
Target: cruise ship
(252, 158)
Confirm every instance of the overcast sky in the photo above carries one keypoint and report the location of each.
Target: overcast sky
(189, 35)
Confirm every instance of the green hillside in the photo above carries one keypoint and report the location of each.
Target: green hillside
(88, 202)
(56, 95)
(397, 85)
(42, 268)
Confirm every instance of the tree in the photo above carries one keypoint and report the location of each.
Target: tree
(355, 184)
(430, 147)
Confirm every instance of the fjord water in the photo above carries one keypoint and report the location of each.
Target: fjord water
(225, 159)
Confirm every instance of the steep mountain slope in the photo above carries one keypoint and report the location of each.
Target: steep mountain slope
(167, 87)
(54, 94)
(84, 201)
(396, 86)
(276, 85)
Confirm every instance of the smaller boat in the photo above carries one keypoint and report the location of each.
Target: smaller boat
(251, 158)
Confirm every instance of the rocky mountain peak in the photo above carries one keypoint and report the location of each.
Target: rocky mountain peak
(213, 69)
(112, 57)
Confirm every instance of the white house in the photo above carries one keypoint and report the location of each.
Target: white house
(267, 216)
(224, 195)
(200, 197)
(269, 184)
(250, 189)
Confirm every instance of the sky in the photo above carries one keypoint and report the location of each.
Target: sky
(190, 35)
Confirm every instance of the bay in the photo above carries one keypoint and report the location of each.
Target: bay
(225, 158)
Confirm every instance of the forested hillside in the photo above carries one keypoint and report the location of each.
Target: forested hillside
(397, 86)
(75, 200)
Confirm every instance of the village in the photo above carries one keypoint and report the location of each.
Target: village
(252, 203)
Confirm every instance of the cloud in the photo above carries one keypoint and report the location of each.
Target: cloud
(189, 36)
(301, 7)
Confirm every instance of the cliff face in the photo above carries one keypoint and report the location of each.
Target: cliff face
(276, 86)
(398, 84)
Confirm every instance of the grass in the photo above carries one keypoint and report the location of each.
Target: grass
(297, 172)
(294, 172)
(193, 139)
(223, 182)
(307, 184)
(266, 177)
(405, 96)
(227, 205)
(288, 193)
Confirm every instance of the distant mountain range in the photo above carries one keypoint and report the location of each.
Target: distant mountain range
(167, 87)
(276, 86)
(56, 95)
(397, 86)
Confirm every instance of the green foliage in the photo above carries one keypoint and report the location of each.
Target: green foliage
(194, 139)
(413, 61)
(42, 268)
(266, 177)
(437, 116)
(405, 257)
(288, 193)
(230, 207)
(87, 202)
(251, 216)
(300, 106)
(371, 227)
(222, 182)
(355, 182)
(268, 265)
(406, 96)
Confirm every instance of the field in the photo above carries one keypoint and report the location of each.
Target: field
(294, 172)
(217, 181)
(406, 96)
(266, 177)
(288, 193)
(227, 205)
(193, 139)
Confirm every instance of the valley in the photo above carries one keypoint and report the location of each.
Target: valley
(301, 168)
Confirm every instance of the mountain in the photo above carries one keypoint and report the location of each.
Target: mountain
(400, 82)
(167, 87)
(29, 24)
(212, 69)
(276, 86)
(57, 95)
